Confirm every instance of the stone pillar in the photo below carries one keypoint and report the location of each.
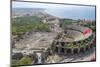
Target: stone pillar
(89, 46)
(84, 49)
(72, 51)
(65, 51)
(55, 42)
(78, 50)
(59, 50)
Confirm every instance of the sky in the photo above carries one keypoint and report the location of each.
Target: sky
(61, 10)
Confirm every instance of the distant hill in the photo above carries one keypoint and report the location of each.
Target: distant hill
(26, 11)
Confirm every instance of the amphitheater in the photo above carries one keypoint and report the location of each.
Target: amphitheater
(74, 39)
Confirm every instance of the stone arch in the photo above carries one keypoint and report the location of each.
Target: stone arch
(68, 51)
(75, 51)
(56, 49)
(62, 43)
(62, 50)
(91, 45)
(57, 43)
(87, 47)
(82, 49)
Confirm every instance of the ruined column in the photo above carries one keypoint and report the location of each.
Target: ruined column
(65, 51)
(89, 46)
(72, 51)
(84, 49)
(59, 48)
(78, 50)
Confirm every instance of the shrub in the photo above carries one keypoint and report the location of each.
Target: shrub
(25, 61)
(21, 25)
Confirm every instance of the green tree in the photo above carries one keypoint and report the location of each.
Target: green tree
(25, 61)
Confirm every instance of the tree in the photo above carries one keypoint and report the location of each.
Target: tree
(25, 61)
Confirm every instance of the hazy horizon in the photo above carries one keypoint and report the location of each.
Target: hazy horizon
(60, 10)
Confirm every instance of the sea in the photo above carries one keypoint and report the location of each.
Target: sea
(73, 13)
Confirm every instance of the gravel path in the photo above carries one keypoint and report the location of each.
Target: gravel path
(36, 40)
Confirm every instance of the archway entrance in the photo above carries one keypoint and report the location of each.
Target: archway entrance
(82, 50)
(56, 49)
(68, 51)
(62, 50)
(62, 43)
(87, 47)
(75, 51)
